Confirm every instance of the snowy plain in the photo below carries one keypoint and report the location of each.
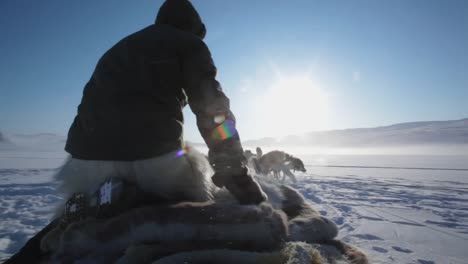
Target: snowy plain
(396, 215)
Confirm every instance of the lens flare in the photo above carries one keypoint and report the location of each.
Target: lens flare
(182, 151)
(224, 131)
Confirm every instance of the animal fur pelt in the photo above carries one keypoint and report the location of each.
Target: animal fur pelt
(290, 253)
(202, 225)
(205, 233)
(171, 176)
(286, 229)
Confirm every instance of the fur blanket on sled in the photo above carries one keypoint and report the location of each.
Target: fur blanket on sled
(203, 233)
(284, 230)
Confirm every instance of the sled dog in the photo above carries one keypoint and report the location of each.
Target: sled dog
(276, 162)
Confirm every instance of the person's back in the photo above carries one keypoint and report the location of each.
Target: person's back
(132, 106)
(129, 122)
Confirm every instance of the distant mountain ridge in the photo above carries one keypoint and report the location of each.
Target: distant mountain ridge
(413, 133)
(5, 142)
(451, 132)
(35, 142)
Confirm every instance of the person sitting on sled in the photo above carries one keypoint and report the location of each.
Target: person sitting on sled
(130, 118)
(129, 122)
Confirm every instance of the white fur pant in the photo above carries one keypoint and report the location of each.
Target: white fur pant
(171, 176)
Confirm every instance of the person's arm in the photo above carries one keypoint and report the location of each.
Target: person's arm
(216, 124)
(208, 102)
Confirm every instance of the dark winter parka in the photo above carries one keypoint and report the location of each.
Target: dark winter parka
(132, 105)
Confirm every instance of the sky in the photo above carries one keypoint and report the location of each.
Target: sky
(288, 67)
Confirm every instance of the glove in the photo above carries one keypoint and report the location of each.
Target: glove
(240, 184)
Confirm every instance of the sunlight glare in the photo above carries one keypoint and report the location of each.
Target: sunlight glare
(294, 105)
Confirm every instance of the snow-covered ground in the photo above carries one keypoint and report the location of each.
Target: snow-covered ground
(397, 215)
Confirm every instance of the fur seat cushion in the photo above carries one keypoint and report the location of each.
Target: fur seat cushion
(290, 253)
(285, 230)
(181, 226)
(195, 233)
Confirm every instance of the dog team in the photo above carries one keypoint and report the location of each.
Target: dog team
(276, 163)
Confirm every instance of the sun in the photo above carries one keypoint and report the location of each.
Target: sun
(293, 105)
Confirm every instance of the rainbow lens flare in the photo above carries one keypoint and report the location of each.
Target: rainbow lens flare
(182, 152)
(224, 131)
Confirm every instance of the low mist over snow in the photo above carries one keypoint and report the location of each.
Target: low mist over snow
(5, 143)
(418, 137)
(42, 141)
(32, 151)
(3, 139)
(33, 142)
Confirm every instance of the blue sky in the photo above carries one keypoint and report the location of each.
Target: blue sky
(356, 63)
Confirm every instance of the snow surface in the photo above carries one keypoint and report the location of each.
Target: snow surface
(396, 215)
